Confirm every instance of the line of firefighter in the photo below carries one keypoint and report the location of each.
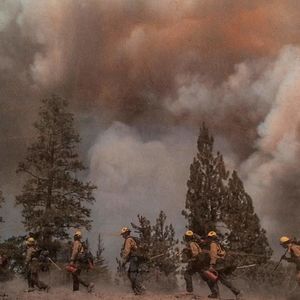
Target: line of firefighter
(213, 264)
(207, 264)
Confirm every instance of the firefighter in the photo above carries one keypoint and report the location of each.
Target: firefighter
(293, 249)
(130, 255)
(32, 266)
(76, 262)
(218, 265)
(196, 259)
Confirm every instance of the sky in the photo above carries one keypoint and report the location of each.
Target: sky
(141, 77)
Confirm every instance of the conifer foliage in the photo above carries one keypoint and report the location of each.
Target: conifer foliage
(100, 261)
(206, 191)
(158, 239)
(165, 242)
(53, 198)
(244, 230)
(217, 201)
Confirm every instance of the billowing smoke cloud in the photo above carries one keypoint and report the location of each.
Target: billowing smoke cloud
(273, 169)
(138, 177)
(141, 77)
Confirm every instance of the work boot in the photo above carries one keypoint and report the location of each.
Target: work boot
(137, 292)
(213, 296)
(239, 296)
(90, 287)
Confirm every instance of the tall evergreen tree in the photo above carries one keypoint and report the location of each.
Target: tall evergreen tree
(244, 229)
(206, 191)
(214, 201)
(54, 198)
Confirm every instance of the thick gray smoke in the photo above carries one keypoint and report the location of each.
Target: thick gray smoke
(141, 77)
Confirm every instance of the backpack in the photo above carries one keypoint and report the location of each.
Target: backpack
(142, 248)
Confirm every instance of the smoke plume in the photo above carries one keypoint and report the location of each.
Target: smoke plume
(141, 77)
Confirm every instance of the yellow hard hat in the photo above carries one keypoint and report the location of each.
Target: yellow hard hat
(30, 241)
(212, 234)
(284, 239)
(124, 230)
(189, 233)
(78, 233)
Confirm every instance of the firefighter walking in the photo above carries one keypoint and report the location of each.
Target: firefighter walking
(294, 250)
(196, 259)
(32, 266)
(76, 263)
(130, 255)
(219, 266)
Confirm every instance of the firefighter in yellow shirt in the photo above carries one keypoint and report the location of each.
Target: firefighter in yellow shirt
(33, 267)
(130, 255)
(294, 250)
(196, 259)
(76, 261)
(217, 264)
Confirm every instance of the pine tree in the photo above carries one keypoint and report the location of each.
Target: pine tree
(53, 198)
(244, 230)
(206, 190)
(154, 241)
(144, 231)
(214, 201)
(164, 242)
(100, 261)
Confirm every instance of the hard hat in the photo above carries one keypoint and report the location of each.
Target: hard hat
(212, 234)
(284, 239)
(30, 241)
(78, 233)
(189, 233)
(124, 230)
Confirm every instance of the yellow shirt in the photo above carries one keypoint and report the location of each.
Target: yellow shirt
(30, 253)
(195, 249)
(129, 247)
(215, 252)
(294, 250)
(76, 249)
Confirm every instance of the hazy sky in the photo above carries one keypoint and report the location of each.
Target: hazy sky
(141, 76)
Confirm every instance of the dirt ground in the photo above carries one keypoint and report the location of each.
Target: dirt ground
(66, 294)
(15, 290)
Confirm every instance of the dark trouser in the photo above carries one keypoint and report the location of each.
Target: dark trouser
(213, 285)
(77, 280)
(33, 280)
(225, 269)
(134, 275)
(297, 262)
(188, 277)
(192, 269)
(226, 282)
